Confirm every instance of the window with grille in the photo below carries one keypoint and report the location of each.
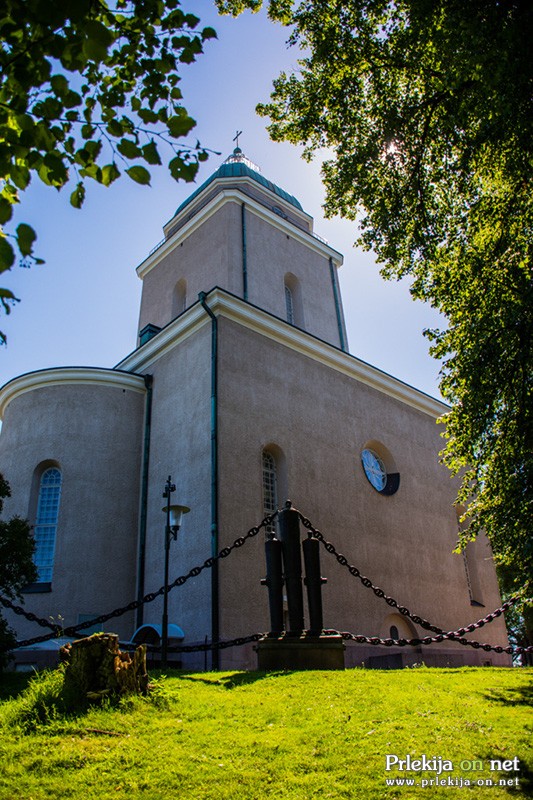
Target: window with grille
(46, 523)
(289, 305)
(270, 487)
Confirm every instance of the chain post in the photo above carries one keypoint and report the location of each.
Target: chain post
(289, 534)
(274, 583)
(313, 581)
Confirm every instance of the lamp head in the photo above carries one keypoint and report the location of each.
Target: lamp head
(175, 516)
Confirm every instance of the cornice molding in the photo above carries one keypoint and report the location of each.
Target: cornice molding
(165, 340)
(235, 196)
(68, 376)
(253, 318)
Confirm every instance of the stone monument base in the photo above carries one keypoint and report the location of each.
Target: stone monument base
(300, 652)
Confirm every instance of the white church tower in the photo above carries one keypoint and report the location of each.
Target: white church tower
(242, 389)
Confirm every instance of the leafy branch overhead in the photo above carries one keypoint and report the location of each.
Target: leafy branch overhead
(426, 109)
(90, 91)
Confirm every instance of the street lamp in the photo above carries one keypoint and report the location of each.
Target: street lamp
(174, 516)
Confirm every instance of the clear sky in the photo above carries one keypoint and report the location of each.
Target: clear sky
(81, 307)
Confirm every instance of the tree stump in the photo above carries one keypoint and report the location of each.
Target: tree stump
(97, 668)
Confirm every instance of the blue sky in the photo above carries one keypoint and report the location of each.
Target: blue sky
(81, 307)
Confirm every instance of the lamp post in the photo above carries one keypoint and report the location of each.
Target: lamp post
(174, 515)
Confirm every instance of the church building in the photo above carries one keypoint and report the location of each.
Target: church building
(241, 389)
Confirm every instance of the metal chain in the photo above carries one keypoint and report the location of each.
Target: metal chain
(427, 640)
(148, 598)
(204, 648)
(457, 635)
(21, 612)
(198, 648)
(367, 583)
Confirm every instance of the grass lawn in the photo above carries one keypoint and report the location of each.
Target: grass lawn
(247, 736)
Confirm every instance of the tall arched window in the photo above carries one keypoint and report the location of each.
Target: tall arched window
(270, 487)
(289, 305)
(46, 523)
(293, 301)
(179, 298)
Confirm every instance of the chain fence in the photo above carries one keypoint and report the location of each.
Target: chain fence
(441, 635)
(72, 630)
(424, 623)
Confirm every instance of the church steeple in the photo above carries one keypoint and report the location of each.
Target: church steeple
(245, 234)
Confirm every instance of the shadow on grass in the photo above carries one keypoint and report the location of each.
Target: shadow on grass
(517, 696)
(524, 775)
(12, 684)
(41, 700)
(231, 681)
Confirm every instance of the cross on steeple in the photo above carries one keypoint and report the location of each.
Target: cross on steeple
(236, 138)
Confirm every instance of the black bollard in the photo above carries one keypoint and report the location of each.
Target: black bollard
(274, 582)
(289, 534)
(313, 581)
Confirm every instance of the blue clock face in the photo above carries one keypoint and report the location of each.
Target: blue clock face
(374, 469)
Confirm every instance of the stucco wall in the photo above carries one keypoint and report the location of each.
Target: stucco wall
(180, 446)
(94, 434)
(211, 255)
(273, 254)
(321, 420)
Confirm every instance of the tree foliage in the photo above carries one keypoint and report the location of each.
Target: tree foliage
(16, 565)
(426, 109)
(89, 91)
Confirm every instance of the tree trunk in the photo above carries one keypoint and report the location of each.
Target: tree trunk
(96, 668)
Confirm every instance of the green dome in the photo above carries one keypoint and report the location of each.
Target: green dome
(238, 166)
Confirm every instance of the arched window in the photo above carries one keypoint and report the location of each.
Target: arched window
(293, 301)
(46, 523)
(289, 305)
(179, 298)
(270, 487)
(394, 632)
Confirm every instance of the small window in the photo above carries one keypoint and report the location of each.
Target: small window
(46, 523)
(294, 313)
(270, 487)
(179, 298)
(289, 306)
(394, 632)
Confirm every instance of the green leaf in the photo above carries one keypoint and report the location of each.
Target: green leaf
(20, 175)
(99, 39)
(147, 115)
(182, 170)
(78, 196)
(6, 298)
(114, 128)
(139, 175)
(180, 124)
(150, 153)
(110, 173)
(25, 122)
(7, 256)
(6, 210)
(26, 236)
(59, 85)
(128, 148)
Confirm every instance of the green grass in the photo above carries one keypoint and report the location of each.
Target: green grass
(247, 736)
